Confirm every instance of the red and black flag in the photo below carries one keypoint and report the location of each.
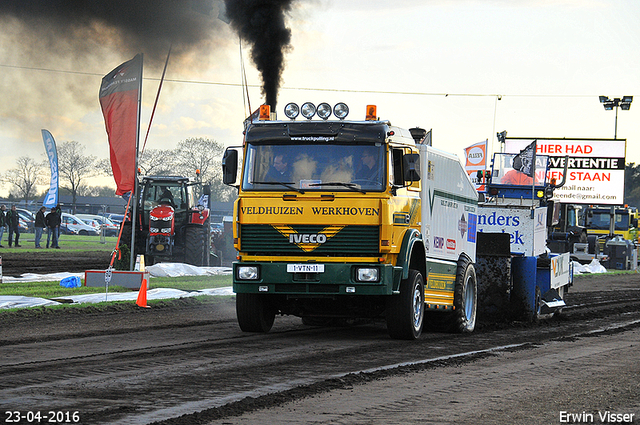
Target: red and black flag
(119, 95)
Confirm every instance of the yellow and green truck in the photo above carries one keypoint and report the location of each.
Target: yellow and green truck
(340, 219)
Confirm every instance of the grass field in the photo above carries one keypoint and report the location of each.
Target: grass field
(72, 242)
(93, 243)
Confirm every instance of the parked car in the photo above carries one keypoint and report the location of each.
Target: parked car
(110, 228)
(27, 220)
(73, 225)
(116, 218)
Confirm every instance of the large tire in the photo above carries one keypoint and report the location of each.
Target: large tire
(405, 311)
(255, 313)
(196, 251)
(465, 297)
(465, 300)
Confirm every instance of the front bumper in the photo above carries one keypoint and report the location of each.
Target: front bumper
(336, 279)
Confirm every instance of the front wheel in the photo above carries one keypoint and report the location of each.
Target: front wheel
(255, 313)
(405, 311)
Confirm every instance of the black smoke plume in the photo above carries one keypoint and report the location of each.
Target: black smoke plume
(129, 26)
(262, 23)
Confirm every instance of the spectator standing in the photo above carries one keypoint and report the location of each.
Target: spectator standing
(59, 213)
(13, 220)
(39, 225)
(52, 220)
(3, 222)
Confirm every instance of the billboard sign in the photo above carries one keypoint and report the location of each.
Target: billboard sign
(595, 172)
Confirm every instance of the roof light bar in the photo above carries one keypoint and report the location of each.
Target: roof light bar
(309, 110)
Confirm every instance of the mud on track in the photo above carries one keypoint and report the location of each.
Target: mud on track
(187, 362)
(17, 261)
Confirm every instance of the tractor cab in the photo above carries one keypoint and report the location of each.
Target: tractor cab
(172, 220)
(508, 180)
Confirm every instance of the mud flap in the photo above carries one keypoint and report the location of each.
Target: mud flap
(551, 302)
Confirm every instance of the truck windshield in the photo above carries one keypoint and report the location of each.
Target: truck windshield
(600, 220)
(314, 167)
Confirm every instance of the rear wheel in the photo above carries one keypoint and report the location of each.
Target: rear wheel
(465, 297)
(255, 313)
(405, 311)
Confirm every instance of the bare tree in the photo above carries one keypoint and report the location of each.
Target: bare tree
(25, 177)
(204, 155)
(158, 162)
(74, 167)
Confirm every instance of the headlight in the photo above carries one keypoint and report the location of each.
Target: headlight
(341, 110)
(154, 230)
(308, 110)
(247, 272)
(169, 218)
(367, 274)
(153, 218)
(324, 110)
(166, 230)
(291, 110)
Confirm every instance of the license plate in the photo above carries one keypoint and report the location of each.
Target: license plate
(305, 268)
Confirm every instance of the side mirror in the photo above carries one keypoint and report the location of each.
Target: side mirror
(206, 189)
(230, 166)
(411, 167)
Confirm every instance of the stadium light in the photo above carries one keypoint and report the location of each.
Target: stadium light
(609, 104)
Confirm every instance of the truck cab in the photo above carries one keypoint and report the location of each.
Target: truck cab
(330, 222)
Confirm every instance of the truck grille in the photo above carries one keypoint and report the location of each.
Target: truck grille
(264, 239)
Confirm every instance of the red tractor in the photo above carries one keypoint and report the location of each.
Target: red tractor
(171, 224)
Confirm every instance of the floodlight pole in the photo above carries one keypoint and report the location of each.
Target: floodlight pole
(624, 102)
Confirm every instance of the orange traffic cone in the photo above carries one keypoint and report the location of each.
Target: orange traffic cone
(142, 295)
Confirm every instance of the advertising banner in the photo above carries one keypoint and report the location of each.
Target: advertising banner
(476, 159)
(51, 199)
(119, 94)
(595, 172)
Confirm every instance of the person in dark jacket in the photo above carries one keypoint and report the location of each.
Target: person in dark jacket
(59, 213)
(52, 220)
(39, 225)
(3, 222)
(13, 220)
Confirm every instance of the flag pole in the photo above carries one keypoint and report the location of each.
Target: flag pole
(135, 172)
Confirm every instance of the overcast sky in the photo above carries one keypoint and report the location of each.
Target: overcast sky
(464, 68)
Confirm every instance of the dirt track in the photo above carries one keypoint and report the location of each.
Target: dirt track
(17, 261)
(185, 362)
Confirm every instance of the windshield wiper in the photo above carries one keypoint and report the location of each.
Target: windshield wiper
(288, 185)
(350, 186)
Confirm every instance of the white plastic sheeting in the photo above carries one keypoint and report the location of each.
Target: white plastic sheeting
(157, 270)
(593, 267)
(181, 269)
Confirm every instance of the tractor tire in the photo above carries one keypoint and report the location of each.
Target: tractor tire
(405, 312)
(255, 313)
(196, 251)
